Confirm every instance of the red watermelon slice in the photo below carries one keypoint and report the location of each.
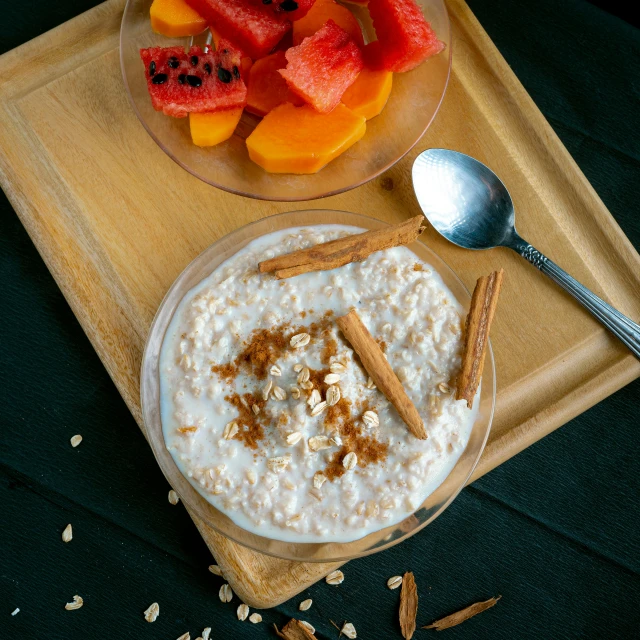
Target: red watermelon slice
(405, 38)
(253, 26)
(180, 83)
(292, 9)
(323, 67)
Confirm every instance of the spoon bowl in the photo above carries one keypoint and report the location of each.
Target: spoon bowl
(469, 205)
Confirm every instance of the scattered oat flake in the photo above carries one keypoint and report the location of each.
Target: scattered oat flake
(337, 367)
(76, 440)
(300, 340)
(370, 418)
(349, 630)
(225, 594)
(350, 461)
(279, 463)
(319, 408)
(332, 378)
(76, 604)
(335, 577)
(16, 611)
(333, 395)
(308, 626)
(243, 612)
(230, 430)
(297, 368)
(173, 497)
(370, 384)
(255, 618)
(152, 612)
(185, 636)
(319, 479)
(255, 408)
(314, 398)
(307, 384)
(295, 393)
(294, 438)
(305, 605)
(317, 443)
(408, 605)
(337, 440)
(275, 370)
(444, 387)
(304, 375)
(395, 582)
(267, 390)
(205, 633)
(215, 569)
(279, 393)
(462, 615)
(67, 534)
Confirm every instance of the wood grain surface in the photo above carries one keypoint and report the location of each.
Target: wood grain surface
(116, 221)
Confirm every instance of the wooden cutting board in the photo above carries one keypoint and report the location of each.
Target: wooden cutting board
(116, 221)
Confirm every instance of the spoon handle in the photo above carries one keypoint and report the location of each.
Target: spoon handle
(627, 331)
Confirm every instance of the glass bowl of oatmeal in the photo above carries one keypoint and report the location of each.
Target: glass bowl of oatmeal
(262, 417)
(412, 106)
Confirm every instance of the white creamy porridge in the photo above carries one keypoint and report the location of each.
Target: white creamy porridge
(285, 433)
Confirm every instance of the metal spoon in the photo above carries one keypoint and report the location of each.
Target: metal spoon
(468, 204)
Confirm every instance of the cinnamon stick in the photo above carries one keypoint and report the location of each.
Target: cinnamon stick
(380, 371)
(294, 630)
(460, 616)
(408, 605)
(354, 248)
(483, 306)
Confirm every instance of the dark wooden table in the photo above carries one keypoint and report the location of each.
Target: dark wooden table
(554, 530)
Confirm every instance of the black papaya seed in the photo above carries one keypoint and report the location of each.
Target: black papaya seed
(289, 5)
(173, 62)
(207, 68)
(267, 1)
(236, 73)
(152, 69)
(159, 78)
(224, 75)
(194, 61)
(182, 78)
(194, 81)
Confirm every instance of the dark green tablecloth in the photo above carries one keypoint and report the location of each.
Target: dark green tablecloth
(555, 530)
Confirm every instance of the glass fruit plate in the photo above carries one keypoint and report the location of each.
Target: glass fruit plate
(434, 504)
(412, 106)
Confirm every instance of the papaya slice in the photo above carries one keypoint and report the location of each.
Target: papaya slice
(267, 88)
(318, 15)
(369, 93)
(210, 129)
(175, 18)
(300, 140)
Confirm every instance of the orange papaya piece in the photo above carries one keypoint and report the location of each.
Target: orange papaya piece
(318, 15)
(266, 87)
(210, 129)
(369, 93)
(175, 18)
(292, 139)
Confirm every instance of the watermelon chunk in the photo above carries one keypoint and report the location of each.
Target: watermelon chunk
(405, 38)
(253, 26)
(323, 67)
(180, 83)
(293, 9)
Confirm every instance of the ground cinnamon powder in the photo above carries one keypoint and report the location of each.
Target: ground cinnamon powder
(250, 431)
(338, 419)
(264, 348)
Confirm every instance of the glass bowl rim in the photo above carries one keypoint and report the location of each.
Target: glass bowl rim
(196, 508)
(239, 192)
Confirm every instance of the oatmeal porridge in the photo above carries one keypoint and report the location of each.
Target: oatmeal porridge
(268, 412)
